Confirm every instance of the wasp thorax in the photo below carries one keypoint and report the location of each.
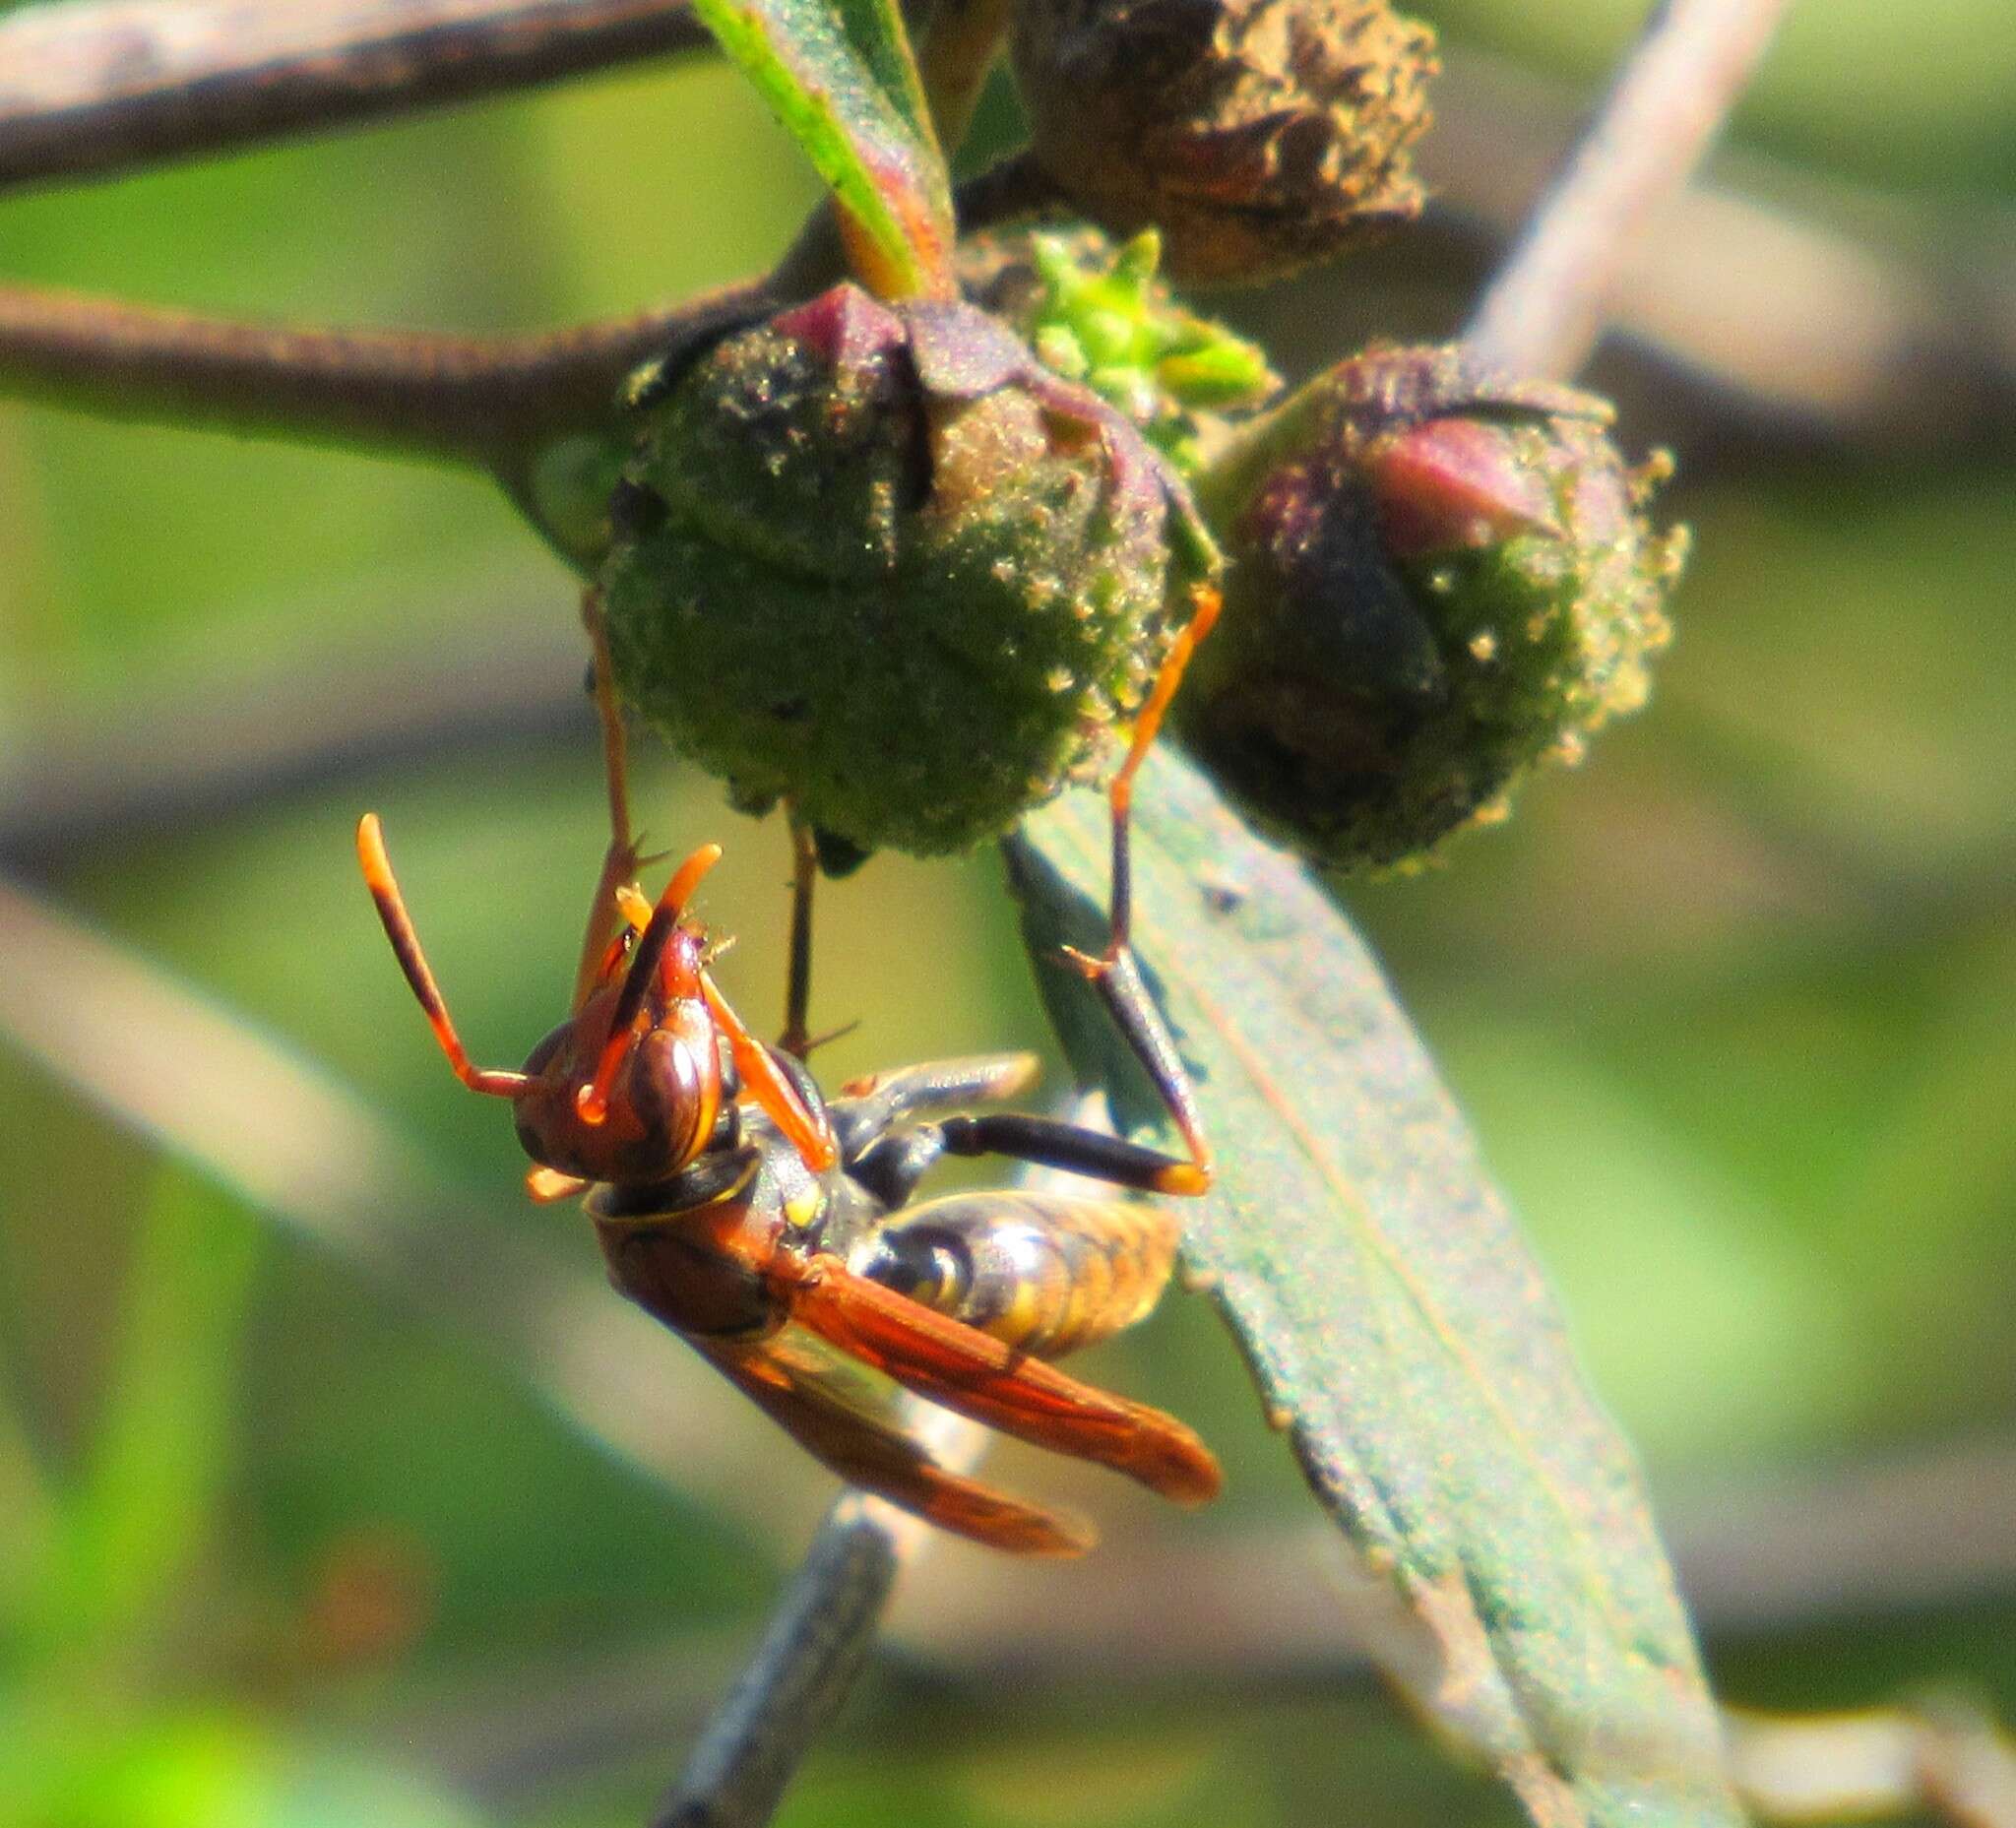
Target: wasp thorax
(1439, 579)
(878, 560)
(1258, 135)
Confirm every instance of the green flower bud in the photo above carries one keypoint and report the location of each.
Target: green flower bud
(1437, 580)
(1257, 135)
(1099, 314)
(877, 561)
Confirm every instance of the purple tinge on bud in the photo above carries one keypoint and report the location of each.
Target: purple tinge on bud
(1453, 482)
(844, 328)
(890, 568)
(1437, 579)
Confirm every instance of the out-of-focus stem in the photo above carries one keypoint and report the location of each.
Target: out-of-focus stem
(97, 88)
(955, 55)
(1540, 314)
(818, 1637)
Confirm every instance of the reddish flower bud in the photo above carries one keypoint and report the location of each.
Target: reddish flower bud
(1438, 578)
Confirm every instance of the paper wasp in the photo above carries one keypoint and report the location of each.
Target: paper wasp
(772, 1228)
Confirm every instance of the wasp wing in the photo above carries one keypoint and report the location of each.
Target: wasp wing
(848, 1419)
(993, 1382)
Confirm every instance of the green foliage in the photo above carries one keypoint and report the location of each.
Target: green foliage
(840, 77)
(1400, 1332)
(1730, 1012)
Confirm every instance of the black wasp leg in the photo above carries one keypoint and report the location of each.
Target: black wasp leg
(797, 1038)
(937, 1088)
(619, 860)
(891, 1166)
(889, 1159)
(1091, 1153)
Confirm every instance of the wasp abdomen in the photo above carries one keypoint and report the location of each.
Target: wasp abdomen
(1046, 1273)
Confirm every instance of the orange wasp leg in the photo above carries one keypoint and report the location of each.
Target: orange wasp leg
(406, 943)
(810, 1134)
(1115, 976)
(979, 1376)
(619, 861)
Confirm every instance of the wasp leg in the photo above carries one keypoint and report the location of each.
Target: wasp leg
(1044, 1272)
(797, 1038)
(1077, 1150)
(892, 1164)
(1114, 975)
(869, 1108)
(873, 1452)
(619, 860)
(981, 1378)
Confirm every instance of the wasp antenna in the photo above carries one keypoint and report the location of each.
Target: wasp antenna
(686, 878)
(592, 1100)
(405, 944)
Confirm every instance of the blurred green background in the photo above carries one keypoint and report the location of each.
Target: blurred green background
(1731, 1010)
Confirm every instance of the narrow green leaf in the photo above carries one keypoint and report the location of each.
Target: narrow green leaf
(1398, 1328)
(841, 75)
(159, 1452)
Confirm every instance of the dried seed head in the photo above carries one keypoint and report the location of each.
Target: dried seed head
(877, 561)
(1439, 579)
(1257, 135)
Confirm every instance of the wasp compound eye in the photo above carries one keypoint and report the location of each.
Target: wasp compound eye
(904, 576)
(1439, 579)
(1258, 135)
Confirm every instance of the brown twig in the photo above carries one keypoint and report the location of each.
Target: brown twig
(475, 400)
(1541, 313)
(94, 90)
(812, 1650)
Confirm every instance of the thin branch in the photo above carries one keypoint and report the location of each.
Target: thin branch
(812, 1651)
(1946, 1760)
(1540, 314)
(96, 90)
(822, 1630)
(474, 399)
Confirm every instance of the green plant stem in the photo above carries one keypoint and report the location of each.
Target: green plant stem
(1542, 311)
(95, 90)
